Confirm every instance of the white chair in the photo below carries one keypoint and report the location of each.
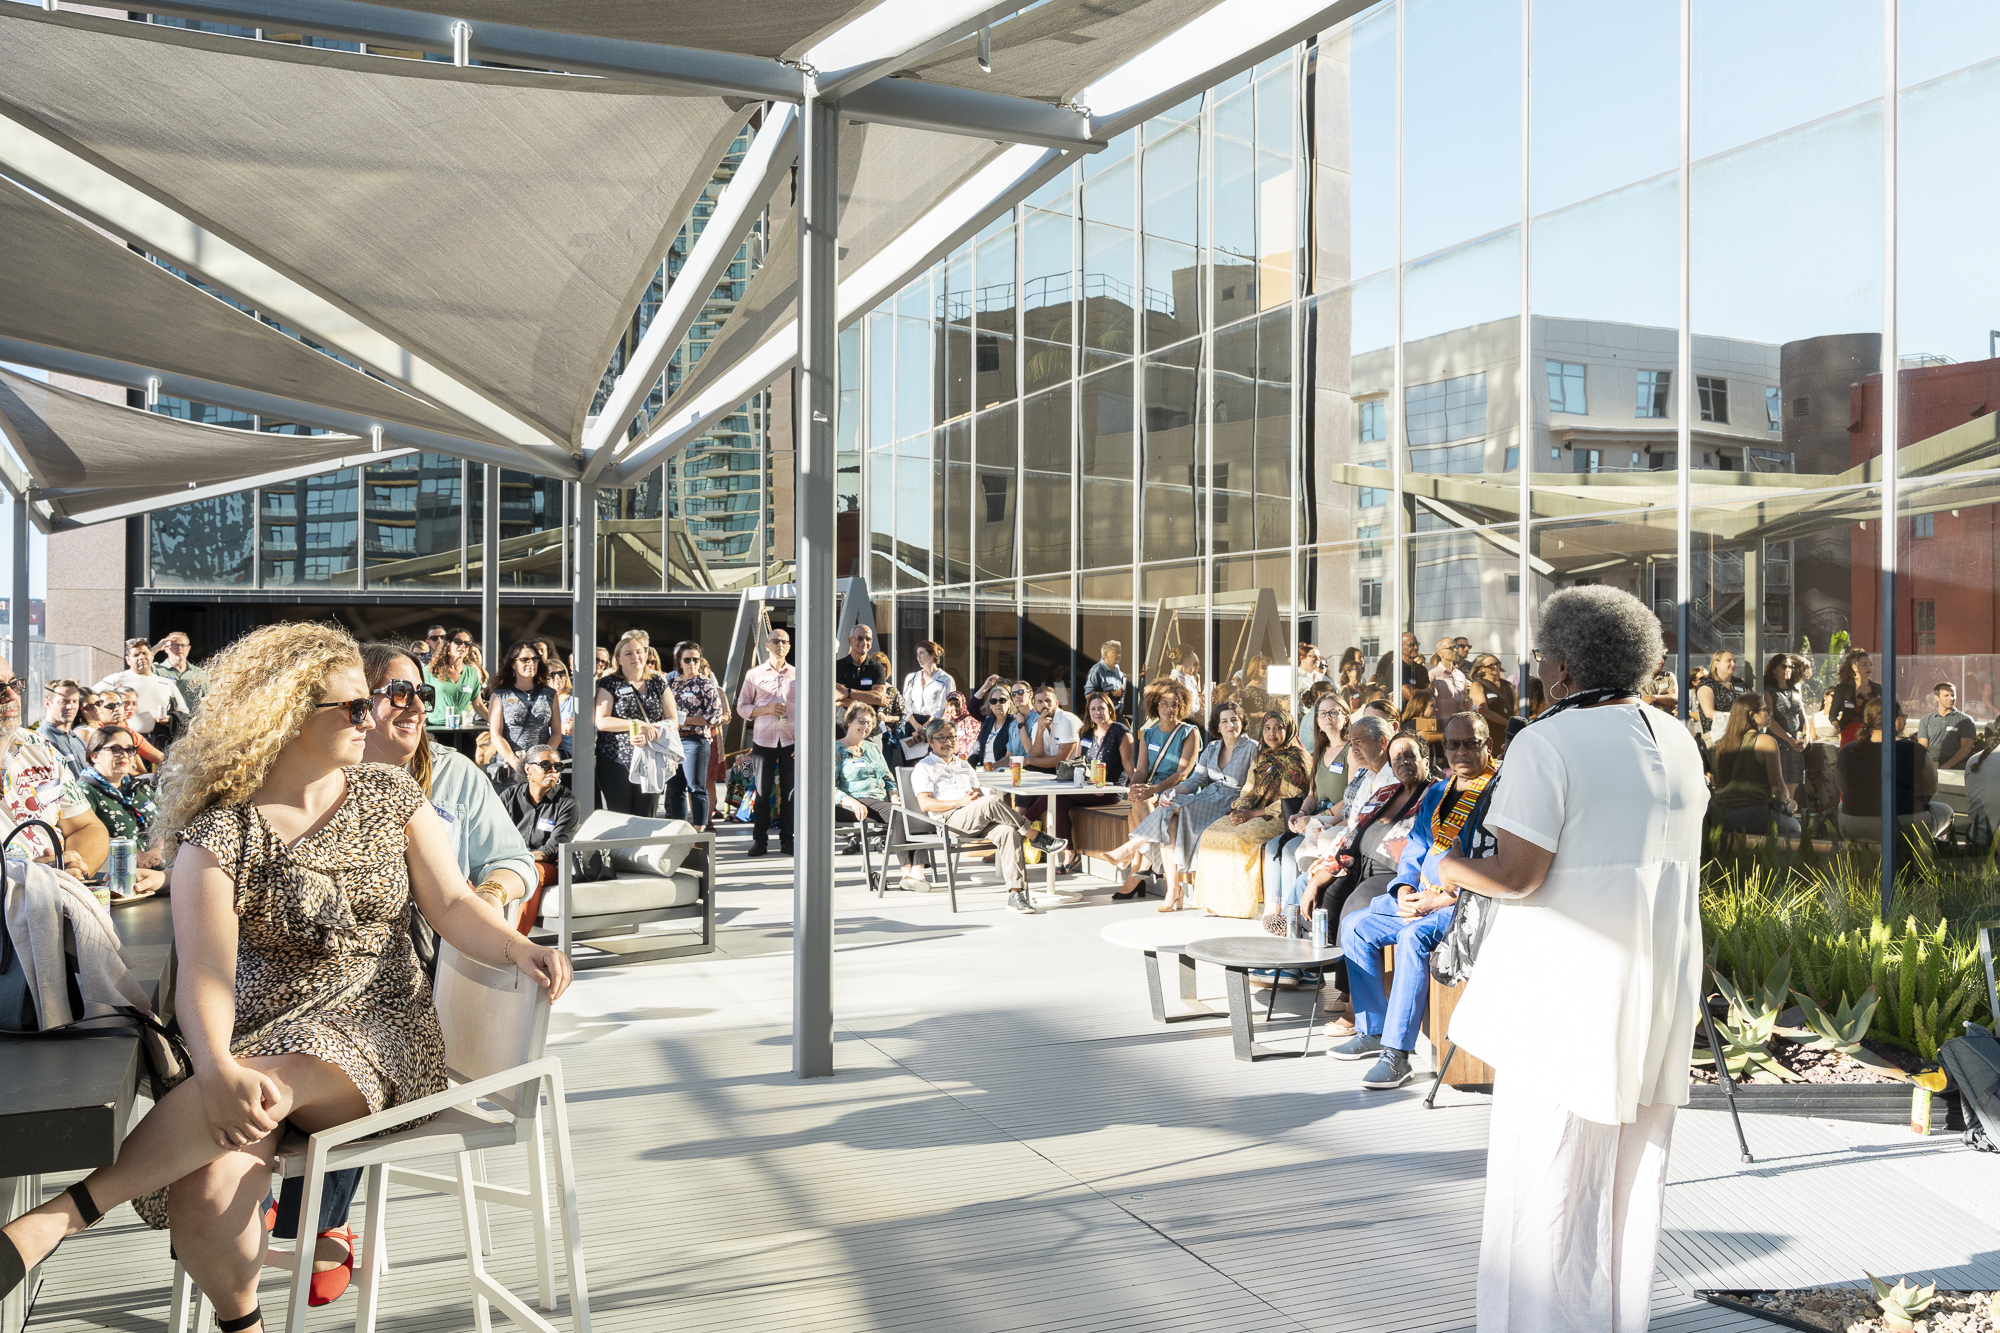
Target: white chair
(924, 833)
(663, 870)
(495, 1024)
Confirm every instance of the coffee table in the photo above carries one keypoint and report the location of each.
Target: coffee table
(1238, 956)
(1155, 933)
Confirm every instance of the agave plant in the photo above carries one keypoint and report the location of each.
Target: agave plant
(1751, 1023)
(1902, 1303)
(1841, 1030)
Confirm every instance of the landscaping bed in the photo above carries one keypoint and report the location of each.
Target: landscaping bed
(1854, 1310)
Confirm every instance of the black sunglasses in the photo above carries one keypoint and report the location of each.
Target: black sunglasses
(126, 750)
(357, 709)
(541, 764)
(16, 686)
(403, 693)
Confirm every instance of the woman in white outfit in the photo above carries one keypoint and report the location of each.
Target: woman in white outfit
(1597, 816)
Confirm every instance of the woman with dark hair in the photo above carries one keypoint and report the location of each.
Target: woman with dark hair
(1595, 876)
(1172, 833)
(1106, 740)
(924, 693)
(1493, 698)
(1162, 755)
(1230, 878)
(1361, 861)
(455, 682)
(702, 713)
(1853, 687)
(1782, 675)
(1750, 791)
(1419, 718)
(523, 712)
(122, 802)
(1717, 696)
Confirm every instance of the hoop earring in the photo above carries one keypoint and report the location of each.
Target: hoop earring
(1555, 698)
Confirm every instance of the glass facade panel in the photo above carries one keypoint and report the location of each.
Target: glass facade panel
(1110, 253)
(412, 521)
(532, 528)
(1048, 317)
(1175, 276)
(310, 531)
(998, 649)
(204, 544)
(1104, 465)
(1048, 638)
(1175, 453)
(1047, 456)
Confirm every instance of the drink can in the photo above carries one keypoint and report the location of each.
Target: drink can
(121, 866)
(1097, 772)
(1319, 927)
(1014, 770)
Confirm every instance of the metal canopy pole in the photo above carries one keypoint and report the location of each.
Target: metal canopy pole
(812, 633)
(583, 680)
(17, 607)
(489, 571)
(1890, 462)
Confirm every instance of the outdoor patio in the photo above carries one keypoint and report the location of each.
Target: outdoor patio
(1011, 1144)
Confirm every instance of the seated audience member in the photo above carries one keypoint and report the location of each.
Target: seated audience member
(1982, 787)
(1420, 719)
(863, 786)
(162, 711)
(1416, 914)
(1103, 739)
(545, 813)
(122, 802)
(1162, 755)
(1359, 864)
(966, 724)
(994, 708)
(1749, 781)
(949, 791)
(1946, 733)
(1860, 772)
(1229, 860)
(1171, 834)
(488, 758)
(1333, 761)
(123, 707)
(1052, 733)
(61, 701)
(35, 783)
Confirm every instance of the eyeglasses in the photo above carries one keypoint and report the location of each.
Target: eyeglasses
(122, 751)
(541, 764)
(357, 709)
(1018, 694)
(438, 637)
(405, 694)
(16, 687)
(691, 657)
(1472, 744)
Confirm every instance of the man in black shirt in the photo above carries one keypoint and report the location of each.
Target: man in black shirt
(542, 808)
(854, 680)
(1860, 770)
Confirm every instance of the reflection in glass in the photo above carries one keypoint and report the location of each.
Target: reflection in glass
(1176, 459)
(997, 445)
(1174, 277)
(1046, 457)
(1047, 283)
(206, 543)
(1104, 462)
(311, 529)
(1048, 656)
(998, 650)
(411, 526)
(631, 533)
(994, 380)
(1109, 253)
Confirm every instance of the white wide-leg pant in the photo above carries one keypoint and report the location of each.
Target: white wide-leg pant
(1572, 1224)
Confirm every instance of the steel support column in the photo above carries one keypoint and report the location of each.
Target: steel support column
(17, 609)
(583, 733)
(812, 632)
(1891, 463)
(489, 571)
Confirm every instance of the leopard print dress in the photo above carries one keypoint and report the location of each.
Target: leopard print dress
(324, 965)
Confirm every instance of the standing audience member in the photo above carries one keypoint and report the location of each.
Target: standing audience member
(924, 693)
(1229, 879)
(1493, 698)
(698, 700)
(523, 712)
(1717, 695)
(765, 702)
(950, 791)
(1750, 793)
(545, 813)
(454, 681)
(434, 646)
(61, 702)
(1787, 724)
(162, 711)
(121, 803)
(856, 680)
(1449, 684)
(191, 679)
(1105, 676)
(1311, 666)
(634, 706)
(559, 681)
(1414, 915)
(1662, 690)
(1188, 673)
(122, 707)
(35, 783)
(1948, 734)
(1852, 689)
(1597, 826)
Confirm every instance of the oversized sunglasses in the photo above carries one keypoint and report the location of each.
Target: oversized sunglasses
(405, 694)
(124, 751)
(357, 709)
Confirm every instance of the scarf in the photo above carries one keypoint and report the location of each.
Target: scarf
(135, 797)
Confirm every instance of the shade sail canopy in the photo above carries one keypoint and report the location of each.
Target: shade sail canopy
(1051, 53)
(86, 454)
(499, 225)
(67, 287)
(761, 28)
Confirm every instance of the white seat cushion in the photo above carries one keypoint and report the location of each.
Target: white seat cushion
(638, 860)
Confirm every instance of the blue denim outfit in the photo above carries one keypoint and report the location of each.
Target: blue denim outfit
(1395, 1016)
(690, 784)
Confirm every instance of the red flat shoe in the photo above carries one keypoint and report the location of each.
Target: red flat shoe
(327, 1286)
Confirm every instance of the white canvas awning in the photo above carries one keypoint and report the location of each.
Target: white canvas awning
(762, 28)
(88, 456)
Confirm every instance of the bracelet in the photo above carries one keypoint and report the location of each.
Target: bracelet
(507, 950)
(495, 888)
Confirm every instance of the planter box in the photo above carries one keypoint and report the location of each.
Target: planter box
(1870, 1103)
(1743, 1303)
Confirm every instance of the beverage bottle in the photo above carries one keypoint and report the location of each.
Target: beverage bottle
(1319, 928)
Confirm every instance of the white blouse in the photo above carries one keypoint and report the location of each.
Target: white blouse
(925, 698)
(1608, 951)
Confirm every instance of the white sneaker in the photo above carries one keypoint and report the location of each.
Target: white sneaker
(1018, 902)
(917, 884)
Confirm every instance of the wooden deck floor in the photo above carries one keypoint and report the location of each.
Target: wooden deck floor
(1011, 1145)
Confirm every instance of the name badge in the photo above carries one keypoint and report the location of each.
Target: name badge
(546, 825)
(1336, 768)
(443, 813)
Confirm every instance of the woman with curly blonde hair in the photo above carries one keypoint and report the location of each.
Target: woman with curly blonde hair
(300, 995)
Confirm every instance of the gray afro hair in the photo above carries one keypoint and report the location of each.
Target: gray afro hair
(1608, 637)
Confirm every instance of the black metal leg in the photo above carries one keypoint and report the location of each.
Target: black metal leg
(1190, 1007)
(1312, 1022)
(1271, 1005)
(1154, 991)
(1728, 1083)
(1450, 1051)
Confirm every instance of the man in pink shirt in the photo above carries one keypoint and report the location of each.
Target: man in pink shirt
(1449, 685)
(765, 702)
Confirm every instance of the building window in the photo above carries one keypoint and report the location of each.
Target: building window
(1714, 396)
(1371, 497)
(1452, 458)
(1371, 600)
(1586, 460)
(1513, 585)
(1513, 457)
(1371, 541)
(1371, 649)
(1446, 410)
(1566, 387)
(1923, 618)
(1655, 386)
(1373, 419)
(1774, 408)
(1923, 525)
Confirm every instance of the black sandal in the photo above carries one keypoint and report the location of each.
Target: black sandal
(256, 1316)
(14, 1268)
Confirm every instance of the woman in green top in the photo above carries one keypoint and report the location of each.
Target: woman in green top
(862, 781)
(1749, 780)
(122, 803)
(456, 681)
